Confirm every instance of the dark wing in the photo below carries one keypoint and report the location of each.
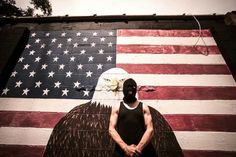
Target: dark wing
(164, 140)
(82, 132)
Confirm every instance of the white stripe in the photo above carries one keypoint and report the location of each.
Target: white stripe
(163, 106)
(224, 107)
(43, 105)
(183, 80)
(166, 40)
(169, 59)
(188, 140)
(24, 136)
(203, 140)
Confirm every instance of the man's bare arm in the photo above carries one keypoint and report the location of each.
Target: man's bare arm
(112, 128)
(148, 134)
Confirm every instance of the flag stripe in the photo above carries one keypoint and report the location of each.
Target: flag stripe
(187, 93)
(163, 106)
(29, 119)
(224, 123)
(189, 140)
(205, 153)
(37, 151)
(21, 151)
(177, 122)
(174, 69)
(204, 140)
(184, 80)
(167, 49)
(169, 59)
(187, 41)
(164, 33)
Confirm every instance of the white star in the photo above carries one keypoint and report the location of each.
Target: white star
(49, 52)
(109, 58)
(32, 52)
(63, 34)
(42, 46)
(85, 39)
(102, 39)
(44, 66)
(75, 45)
(99, 66)
(93, 44)
(26, 66)
(27, 46)
(80, 66)
(101, 51)
(86, 92)
(69, 40)
(54, 40)
(37, 40)
(59, 45)
(57, 84)
(90, 58)
(18, 84)
(47, 34)
(37, 84)
(33, 34)
(110, 33)
(64, 92)
(68, 74)
(65, 52)
(89, 74)
(72, 59)
(50, 74)
(76, 84)
(78, 34)
(95, 34)
(13, 74)
(82, 52)
(55, 59)
(109, 44)
(32, 73)
(37, 59)
(25, 91)
(61, 66)
(21, 59)
(4, 91)
(45, 91)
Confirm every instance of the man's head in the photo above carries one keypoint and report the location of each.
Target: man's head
(129, 90)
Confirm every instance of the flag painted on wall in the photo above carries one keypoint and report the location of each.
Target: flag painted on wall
(180, 73)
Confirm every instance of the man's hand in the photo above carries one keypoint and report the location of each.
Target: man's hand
(131, 151)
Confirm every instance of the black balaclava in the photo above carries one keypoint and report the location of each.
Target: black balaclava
(129, 90)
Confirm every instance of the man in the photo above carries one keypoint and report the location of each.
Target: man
(131, 125)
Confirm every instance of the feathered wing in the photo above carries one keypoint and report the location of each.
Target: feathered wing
(164, 140)
(83, 132)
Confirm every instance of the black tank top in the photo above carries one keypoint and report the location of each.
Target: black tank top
(131, 127)
(130, 124)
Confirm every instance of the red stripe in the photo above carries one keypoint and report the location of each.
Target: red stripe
(37, 151)
(187, 93)
(224, 123)
(204, 153)
(174, 69)
(167, 49)
(177, 122)
(21, 151)
(163, 33)
(29, 119)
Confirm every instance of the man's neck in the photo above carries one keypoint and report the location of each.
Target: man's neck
(133, 104)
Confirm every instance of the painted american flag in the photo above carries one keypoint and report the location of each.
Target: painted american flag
(58, 70)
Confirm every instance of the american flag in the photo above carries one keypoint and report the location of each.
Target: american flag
(181, 73)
